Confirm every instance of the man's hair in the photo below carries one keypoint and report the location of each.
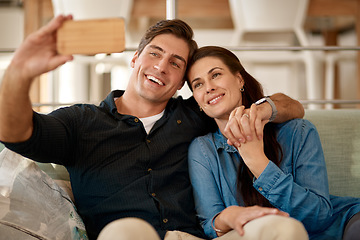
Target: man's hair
(176, 27)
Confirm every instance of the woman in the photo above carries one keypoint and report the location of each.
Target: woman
(282, 168)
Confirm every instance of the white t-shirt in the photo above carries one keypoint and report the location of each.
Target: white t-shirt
(149, 122)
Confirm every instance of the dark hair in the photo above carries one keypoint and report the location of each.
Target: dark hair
(177, 27)
(252, 92)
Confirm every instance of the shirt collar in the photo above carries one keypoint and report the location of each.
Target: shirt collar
(221, 142)
(110, 105)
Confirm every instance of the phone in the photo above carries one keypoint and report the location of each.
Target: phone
(90, 37)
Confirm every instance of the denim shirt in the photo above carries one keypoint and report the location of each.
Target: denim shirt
(299, 186)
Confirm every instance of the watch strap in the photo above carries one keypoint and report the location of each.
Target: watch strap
(273, 107)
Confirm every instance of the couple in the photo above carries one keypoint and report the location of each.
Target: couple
(127, 157)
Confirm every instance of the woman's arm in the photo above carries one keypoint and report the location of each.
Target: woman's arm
(215, 191)
(207, 195)
(300, 185)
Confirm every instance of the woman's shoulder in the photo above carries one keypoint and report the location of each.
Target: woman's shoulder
(298, 124)
(296, 130)
(205, 141)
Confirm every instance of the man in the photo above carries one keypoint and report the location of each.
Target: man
(128, 156)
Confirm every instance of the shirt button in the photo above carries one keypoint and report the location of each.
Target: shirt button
(178, 121)
(136, 120)
(260, 188)
(153, 194)
(165, 220)
(148, 140)
(149, 170)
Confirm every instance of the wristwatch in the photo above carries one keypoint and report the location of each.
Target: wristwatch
(273, 107)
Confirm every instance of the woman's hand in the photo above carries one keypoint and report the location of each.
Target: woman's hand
(235, 217)
(235, 133)
(249, 125)
(252, 151)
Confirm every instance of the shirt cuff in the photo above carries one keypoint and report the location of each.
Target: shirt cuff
(268, 178)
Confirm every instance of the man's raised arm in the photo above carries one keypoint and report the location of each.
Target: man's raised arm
(287, 108)
(36, 55)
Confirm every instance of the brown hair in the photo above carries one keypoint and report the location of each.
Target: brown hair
(252, 92)
(177, 27)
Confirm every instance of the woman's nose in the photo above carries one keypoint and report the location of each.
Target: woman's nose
(209, 88)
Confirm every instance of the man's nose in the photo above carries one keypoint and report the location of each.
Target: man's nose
(161, 66)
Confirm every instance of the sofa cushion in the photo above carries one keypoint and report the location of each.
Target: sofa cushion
(32, 204)
(339, 132)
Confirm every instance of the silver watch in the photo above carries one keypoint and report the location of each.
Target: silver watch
(273, 107)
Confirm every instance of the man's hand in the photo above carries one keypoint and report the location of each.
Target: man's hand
(35, 56)
(38, 54)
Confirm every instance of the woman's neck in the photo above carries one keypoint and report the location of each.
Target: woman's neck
(221, 123)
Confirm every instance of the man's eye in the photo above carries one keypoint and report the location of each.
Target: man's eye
(154, 54)
(175, 64)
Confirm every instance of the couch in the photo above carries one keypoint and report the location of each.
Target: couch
(339, 132)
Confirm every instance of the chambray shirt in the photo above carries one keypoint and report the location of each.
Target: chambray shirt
(299, 186)
(116, 169)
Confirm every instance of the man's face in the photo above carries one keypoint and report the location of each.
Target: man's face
(159, 69)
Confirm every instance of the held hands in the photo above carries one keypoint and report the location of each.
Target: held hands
(245, 130)
(253, 119)
(235, 217)
(37, 54)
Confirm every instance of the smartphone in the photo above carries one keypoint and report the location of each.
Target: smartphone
(90, 37)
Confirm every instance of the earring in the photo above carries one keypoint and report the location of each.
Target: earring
(242, 89)
(200, 109)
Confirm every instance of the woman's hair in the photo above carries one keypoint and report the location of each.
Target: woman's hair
(176, 27)
(252, 92)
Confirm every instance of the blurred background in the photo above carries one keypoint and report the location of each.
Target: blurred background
(307, 49)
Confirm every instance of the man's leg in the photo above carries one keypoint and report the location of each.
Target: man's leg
(128, 229)
(270, 227)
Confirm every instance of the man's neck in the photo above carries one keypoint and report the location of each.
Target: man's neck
(136, 106)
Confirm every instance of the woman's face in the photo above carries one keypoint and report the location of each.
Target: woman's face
(215, 88)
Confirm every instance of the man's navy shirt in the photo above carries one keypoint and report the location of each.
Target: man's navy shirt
(116, 169)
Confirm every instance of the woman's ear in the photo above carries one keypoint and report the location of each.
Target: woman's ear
(241, 80)
(136, 55)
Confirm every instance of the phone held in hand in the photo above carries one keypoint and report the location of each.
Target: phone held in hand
(90, 37)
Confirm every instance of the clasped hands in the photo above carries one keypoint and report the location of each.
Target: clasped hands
(244, 130)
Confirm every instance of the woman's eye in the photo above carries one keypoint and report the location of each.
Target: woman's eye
(154, 54)
(196, 85)
(215, 75)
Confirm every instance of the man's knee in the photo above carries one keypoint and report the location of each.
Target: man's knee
(128, 229)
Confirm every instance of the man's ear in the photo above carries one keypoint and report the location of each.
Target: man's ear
(136, 55)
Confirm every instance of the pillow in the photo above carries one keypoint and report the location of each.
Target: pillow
(32, 204)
